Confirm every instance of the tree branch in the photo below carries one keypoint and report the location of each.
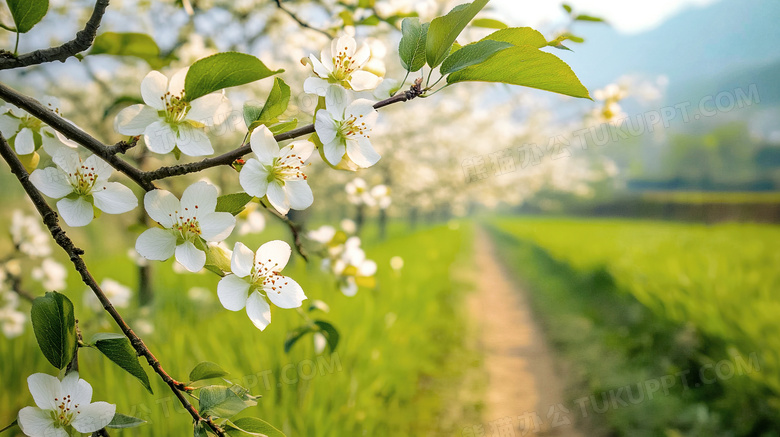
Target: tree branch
(50, 220)
(295, 230)
(72, 132)
(83, 41)
(299, 21)
(229, 157)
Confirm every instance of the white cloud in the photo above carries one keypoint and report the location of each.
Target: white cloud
(625, 16)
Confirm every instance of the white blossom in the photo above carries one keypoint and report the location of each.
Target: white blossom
(342, 64)
(345, 129)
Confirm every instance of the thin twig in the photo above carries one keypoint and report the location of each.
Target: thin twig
(72, 132)
(81, 42)
(58, 234)
(299, 21)
(295, 230)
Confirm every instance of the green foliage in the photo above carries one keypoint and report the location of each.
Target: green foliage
(472, 54)
(526, 66)
(295, 335)
(411, 49)
(54, 324)
(27, 13)
(11, 425)
(220, 401)
(207, 370)
(589, 18)
(330, 333)
(489, 23)
(117, 348)
(251, 426)
(223, 70)
(233, 203)
(519, 36)
(284, 126)
(121, 421)
(444, 30)
(138, 45)
(274, 106)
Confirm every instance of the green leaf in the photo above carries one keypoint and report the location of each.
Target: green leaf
(13, 424)
(207, 370)
(220, 401)
(526, 66)
(252, 426)
(200, 430)
(233, 203)
(489, 23)
(444, 30)
(27, 13)
(519, 36)
(54, 325)
(122, 421)
(284, 127)
(138, 45)
(117, 348)
(472, 54)
(330, 333)
(411, 49)
(295, 335)
(221, 71)
(277, 103)
(589, 18)
(566, 8)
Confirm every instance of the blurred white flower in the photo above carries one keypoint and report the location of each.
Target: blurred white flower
(381, 196)
(358, 192)
(199, 295)
(251, 222)
(50, 274)
(118, 294)
(348, 226)
(11, 319)
(28, 235)
(324, 234)
(319, 342)
(396, 263)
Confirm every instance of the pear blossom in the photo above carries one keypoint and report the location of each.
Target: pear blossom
(28, 236)
(252, 221)
(255, 277)
(50, 274)
(396, 263)
(344, 65)
(27, 133)
(349, 226)
(358, 193)
(277, 174)
(12, 320)
(324, 234)
(118, 294)
(344, 129)
(381, 196)
(167, 120)
(187, 225)
(82, 185)
(63, 404)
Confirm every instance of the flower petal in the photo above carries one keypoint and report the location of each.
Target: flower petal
(162, 206)
(134, 119)
(233, 292)
(349, 288)
(99, 167)
(334, 151)
(319, 67)
(9, 126)
(299, 194)
(285, 293)
(302, 149)
(156, 244)
(159, 137)
(176, 86)
(24, 143)
(193, 141)
(258, 310)
(363, 80)
(94, 416)
(367, 268)
(44, 389)
(362, 54)
(199, 199)
(315, 85)
(254, 178)
(114, 198)
(80, 391)
(209, 109)
(326, 57)
(76, 212)
(52, 182)
(216, 226)
(346, 44)
(242, 260)
(264, 145)
(36, 422)
(68, 160)
(363, 109)
(277, 197)
(189, 256)
(325, 126)
(274, 254)
(362, 153)
(336, 100)
(153, 88)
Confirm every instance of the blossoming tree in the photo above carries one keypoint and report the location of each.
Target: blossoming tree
(275, 163)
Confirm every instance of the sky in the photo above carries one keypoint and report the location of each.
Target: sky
(626, 16)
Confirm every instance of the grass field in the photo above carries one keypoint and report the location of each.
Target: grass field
(401, 359)
(671, 293)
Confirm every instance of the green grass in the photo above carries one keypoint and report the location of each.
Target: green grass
(663, 295)
(396, 371)
(704, 197)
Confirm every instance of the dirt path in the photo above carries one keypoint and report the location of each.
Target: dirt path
(523, 387)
